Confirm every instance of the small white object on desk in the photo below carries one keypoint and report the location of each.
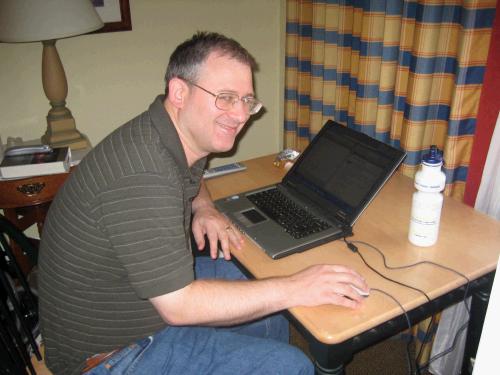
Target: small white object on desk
(289, 155)
(223, 169)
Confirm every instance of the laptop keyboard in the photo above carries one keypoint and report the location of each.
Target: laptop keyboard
(295, 220)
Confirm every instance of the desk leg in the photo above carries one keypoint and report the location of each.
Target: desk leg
(330, 360)
(479, 305)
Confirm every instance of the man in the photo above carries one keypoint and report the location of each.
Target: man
(116, 269)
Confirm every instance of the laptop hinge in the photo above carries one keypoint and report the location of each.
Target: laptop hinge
(341, 217)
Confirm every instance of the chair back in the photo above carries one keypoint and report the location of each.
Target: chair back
(18, 303)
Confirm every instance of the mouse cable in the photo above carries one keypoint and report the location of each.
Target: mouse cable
(459, 331)
(354, 248)
(408, 355)
(417, 264)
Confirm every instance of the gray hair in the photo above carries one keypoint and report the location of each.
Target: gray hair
(187, 58)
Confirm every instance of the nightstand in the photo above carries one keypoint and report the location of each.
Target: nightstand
(26, 201)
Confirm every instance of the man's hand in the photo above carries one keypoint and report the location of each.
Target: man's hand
(207, 220)
(327, 284)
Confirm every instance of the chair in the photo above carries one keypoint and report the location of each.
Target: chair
(18, 304)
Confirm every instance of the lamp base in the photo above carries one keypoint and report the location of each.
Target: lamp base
(63, 132)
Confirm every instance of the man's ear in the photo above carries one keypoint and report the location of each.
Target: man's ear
(177, 92)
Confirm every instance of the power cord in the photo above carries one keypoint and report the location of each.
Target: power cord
(351, 245)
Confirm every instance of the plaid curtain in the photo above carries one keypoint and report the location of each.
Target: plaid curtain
(406, 72)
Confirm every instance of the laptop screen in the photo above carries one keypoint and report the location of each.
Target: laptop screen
(344, 169)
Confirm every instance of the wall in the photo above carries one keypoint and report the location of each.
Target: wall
(115, 76)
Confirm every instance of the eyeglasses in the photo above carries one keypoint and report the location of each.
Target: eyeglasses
(225, 101)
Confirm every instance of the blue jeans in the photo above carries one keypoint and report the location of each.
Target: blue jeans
(259, 347)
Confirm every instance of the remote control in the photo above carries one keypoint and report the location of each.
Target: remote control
(223, 169)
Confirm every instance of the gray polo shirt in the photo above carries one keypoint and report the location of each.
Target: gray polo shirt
(116, 234)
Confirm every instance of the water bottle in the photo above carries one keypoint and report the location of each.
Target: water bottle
(427, 200)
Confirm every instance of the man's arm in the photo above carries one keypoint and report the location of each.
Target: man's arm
(220, 302)
(207, 220)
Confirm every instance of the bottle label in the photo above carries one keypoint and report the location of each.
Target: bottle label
(424, 221)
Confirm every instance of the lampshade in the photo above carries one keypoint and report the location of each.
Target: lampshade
(47, 21)
(38, 20)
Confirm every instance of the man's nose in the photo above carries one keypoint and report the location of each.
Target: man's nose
(239, 111)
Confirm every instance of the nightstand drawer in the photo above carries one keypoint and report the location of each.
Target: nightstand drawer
(30, 191)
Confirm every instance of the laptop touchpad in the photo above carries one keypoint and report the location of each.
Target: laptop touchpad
(250, 217)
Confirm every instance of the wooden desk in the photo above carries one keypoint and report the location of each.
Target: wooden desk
(26, 201)
(469, 242)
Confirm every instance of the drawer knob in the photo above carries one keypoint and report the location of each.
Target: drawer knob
(31, 189)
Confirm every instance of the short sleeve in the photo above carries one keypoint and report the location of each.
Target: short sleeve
(143, 216)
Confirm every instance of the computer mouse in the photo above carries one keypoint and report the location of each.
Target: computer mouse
(359, 291)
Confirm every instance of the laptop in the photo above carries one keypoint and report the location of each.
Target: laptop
(322, 195)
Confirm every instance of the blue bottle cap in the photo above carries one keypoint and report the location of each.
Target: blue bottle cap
(434, 157)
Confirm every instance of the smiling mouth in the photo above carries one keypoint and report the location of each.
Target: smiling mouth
(232, 130)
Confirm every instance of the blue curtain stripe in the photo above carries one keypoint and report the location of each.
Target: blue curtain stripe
(291, 94)
(290, 126)
(404, 58)
(386, 97)
(303, 132)
(390, 53)
(462, 127)
(291, 62)
(427, 112)
(472, 75)
(399, 103)
(455, 174)
(429, 65)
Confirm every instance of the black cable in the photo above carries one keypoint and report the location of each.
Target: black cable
(460, 330)
(431, 323)
(355, 249)
(450, 349)
(417, 264)
(425, 341)
(408, 355)
(410, 287)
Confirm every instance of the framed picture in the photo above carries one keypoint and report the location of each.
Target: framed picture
(115, 14)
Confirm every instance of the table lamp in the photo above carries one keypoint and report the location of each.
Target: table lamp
(47, 21)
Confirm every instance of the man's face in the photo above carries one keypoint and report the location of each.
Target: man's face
(206, 128)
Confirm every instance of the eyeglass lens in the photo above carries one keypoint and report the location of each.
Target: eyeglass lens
(226, 102)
